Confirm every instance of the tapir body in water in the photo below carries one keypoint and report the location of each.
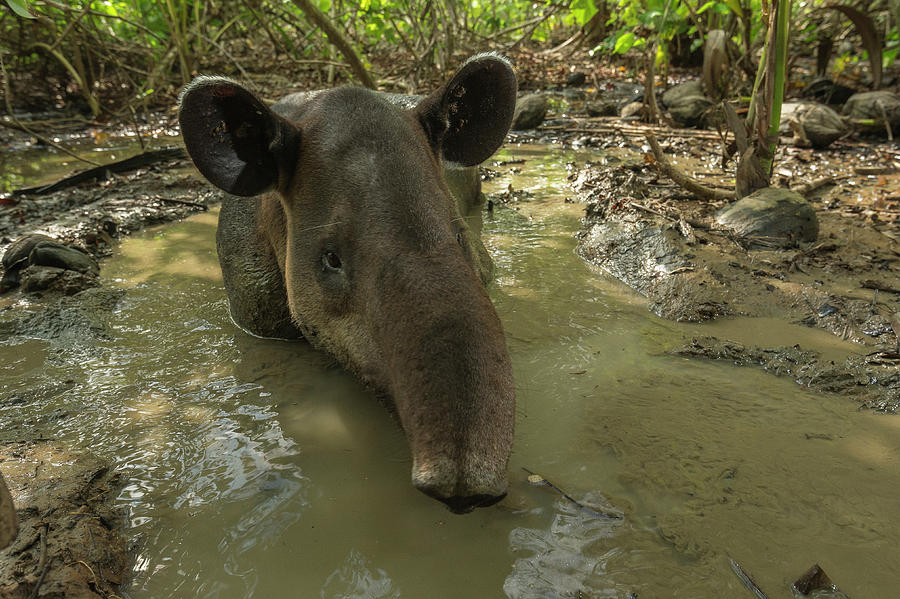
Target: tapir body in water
(347, 234)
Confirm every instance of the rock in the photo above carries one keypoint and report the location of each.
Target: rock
(36, 278)
(814, 123)
(634, 109)
(46, 261)
(576, 78)
(653, 259)
(676, 93)
(621, 93)
(601, 108)
(530, 112)
(771, 217)
(826, 91)
(691, 111)
(874, 106)
(688, 104)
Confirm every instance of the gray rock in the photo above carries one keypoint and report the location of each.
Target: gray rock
(816, 123)
(771, 218)
(601, 108)
(65, 257)
(691, 111)
(633, 109)
(36, 278)
(576, 78)
(34, 251)
(874, 106)
(676, 93)
(530, 112)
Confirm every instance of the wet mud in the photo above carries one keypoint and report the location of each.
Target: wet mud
(68, 546)
(671, 249)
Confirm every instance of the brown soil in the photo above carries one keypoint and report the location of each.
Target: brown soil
(68, 546)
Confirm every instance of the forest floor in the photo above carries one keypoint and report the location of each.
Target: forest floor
(847, 282)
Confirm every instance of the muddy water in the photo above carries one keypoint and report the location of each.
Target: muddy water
(256, 468)
(38, 164)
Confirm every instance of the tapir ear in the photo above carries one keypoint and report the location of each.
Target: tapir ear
(468, 118)
(235, 141)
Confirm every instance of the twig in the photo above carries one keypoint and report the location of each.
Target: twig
(40, 581)
(651, 211)
(546, 482)
(688, 183)
(745, 578)
(878, 286)
(43, 563)
(616, 127)
(203, 207)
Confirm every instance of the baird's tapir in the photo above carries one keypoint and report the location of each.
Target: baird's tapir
(348, 235)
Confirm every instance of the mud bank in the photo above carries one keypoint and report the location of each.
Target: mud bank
(68, 546)
(95, 215)
(672, 250)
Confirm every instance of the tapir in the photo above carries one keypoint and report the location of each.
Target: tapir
(340, 228)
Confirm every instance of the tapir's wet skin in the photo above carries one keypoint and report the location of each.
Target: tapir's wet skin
(256, 468)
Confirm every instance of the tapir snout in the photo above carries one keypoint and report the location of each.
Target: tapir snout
(352, 239)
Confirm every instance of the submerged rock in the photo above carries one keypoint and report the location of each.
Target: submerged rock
(874, 107)
(654, 260)
(814, 123)
(530, 112)
(771, 218)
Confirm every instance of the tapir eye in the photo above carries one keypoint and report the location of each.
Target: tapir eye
(459, 238)
(331, 260)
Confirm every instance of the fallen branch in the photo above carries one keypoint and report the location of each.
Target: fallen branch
(101, 172)
(688, 183)
(632, 129)
(807, 188)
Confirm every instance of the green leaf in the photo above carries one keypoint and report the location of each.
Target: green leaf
(624, 43)
(706, 7)
(735, 6)
(583, 10)
(20, 8)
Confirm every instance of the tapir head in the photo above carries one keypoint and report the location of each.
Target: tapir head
(378, 267)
